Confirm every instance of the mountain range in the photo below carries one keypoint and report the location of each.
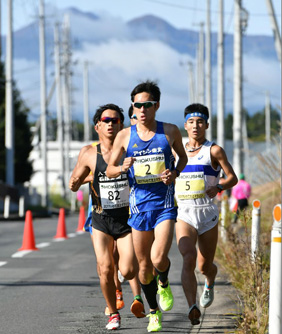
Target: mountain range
(123, 53)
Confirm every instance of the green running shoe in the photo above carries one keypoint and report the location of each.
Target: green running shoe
(155, 322)
(166, 297)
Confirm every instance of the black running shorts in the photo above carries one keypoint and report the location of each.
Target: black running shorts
(114, 226)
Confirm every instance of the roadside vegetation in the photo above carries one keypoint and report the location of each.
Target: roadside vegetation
(250, 276)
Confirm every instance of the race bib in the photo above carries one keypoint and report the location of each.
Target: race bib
(148, 168)
(190, 186)
(114, 195)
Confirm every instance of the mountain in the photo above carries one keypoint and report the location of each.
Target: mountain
(121, 54)
(147, 27)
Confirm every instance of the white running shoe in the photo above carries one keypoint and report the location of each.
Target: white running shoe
(207, 296)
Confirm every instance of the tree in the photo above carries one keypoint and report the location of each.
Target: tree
(23, 136)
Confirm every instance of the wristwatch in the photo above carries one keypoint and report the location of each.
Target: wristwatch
(219, 187)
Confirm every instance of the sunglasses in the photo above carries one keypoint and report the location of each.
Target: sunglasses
(114, 120)
(133, 117)
(146, 105)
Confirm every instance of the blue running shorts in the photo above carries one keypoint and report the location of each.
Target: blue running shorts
(148, 220)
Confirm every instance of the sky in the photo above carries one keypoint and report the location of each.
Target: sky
(179, 13)
(113, 71)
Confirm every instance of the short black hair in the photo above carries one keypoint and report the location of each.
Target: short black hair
(130, 111)
(111, 106)
(196, 107)
(149, 87)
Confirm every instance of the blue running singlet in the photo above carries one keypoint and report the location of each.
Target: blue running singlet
(147, 191)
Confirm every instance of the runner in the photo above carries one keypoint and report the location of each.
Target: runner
(149, 164)
(110, 214)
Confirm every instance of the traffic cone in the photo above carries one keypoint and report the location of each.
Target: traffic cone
(61, 227)
(81, 220)
(28, 235)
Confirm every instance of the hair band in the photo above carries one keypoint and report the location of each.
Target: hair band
(196, 114)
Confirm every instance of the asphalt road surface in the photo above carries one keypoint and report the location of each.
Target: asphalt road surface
(55, 290)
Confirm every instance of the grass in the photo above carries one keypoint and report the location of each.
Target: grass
(249, 275)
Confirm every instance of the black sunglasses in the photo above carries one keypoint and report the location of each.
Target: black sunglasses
(146, 105)
(114, 120)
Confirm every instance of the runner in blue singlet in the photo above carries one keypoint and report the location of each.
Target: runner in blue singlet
(149, 164)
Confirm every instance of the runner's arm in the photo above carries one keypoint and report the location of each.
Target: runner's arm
(113, 169)
(219, 157)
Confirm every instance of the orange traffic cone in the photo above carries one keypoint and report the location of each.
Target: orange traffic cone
(28, 235)
(61, 227)
(81, 219)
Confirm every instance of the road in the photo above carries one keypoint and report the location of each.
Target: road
(55, 290)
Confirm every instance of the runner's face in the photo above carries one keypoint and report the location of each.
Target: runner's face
(145, 115)
(196, 127)
(108, 128)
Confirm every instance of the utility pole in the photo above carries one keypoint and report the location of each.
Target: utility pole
(44, 199)
(67, 134)
(86, 108)
(240, 23)
(220, 79)
(9, 117)
(200, 66)
(0, 30)
(275, 29)
(208, 69)
(60, 134)
(267, 121)
(191, 82)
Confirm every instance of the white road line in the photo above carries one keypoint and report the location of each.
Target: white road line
(21, 253)
(43, 244)
(3, 263)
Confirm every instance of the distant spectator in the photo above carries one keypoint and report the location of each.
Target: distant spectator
(241, 192)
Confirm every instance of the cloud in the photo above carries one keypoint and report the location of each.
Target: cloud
(259, 76)
(117, 66)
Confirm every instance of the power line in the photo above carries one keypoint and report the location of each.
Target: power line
(201, 9)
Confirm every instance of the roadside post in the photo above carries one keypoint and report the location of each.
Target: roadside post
(224, 201)
(255, 228)
(275, 291)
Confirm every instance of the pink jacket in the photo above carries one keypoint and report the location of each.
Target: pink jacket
(241, 190)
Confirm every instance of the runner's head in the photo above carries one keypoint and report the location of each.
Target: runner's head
(149, 87)
(108, 121)
(111, 106)
(196, 110)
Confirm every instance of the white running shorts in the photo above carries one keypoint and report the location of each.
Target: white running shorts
(202, 218)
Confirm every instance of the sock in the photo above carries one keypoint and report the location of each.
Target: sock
(163, 276)
(139, 298)
(150, 291)
(111, 314)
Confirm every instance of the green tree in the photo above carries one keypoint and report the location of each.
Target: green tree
(23, 147)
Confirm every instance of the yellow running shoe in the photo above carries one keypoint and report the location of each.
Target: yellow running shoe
(155, 321)
(166, 297)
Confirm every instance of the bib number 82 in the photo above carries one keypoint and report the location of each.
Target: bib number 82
(113, 195)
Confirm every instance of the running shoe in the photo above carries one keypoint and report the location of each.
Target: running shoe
(194, 315)
(120, 302)
(155, 321)
(114, 322)
(137, 307)
(166, 297)
(207, 296)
